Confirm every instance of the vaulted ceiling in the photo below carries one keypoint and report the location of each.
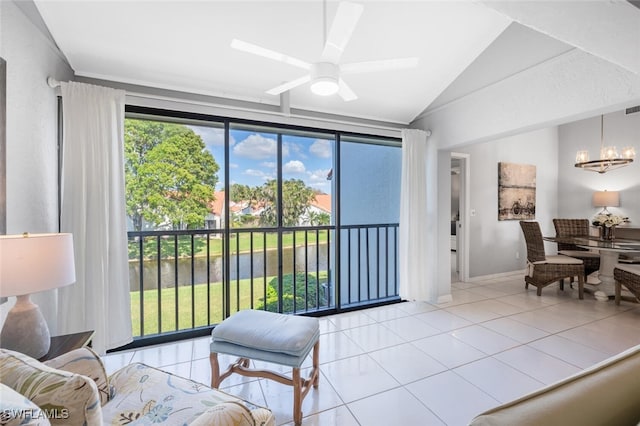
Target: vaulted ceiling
(461, 46)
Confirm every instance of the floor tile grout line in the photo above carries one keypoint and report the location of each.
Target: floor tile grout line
(436, 414)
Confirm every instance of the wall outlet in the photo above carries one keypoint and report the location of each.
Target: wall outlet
(517, 255)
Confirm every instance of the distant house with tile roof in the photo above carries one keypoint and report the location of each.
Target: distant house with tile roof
(321, 204)
(215, 218)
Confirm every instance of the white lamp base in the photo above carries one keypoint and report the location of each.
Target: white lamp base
(25, 329)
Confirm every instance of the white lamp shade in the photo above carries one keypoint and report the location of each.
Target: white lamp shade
(606, 199)
(31, 263)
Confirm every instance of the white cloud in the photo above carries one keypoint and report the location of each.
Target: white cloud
(317, 176)
(256, 147)
(233, 166)
(290, 147)
(265, 176)
(321, 148)
(212, 136)
(268, 164)
(294, 166)
(322, 186)
(254, 172)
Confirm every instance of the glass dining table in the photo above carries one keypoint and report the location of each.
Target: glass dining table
(602, 283)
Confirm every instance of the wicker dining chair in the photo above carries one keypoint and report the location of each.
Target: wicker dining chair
(628, 276)
(576, 228)
(543, 270)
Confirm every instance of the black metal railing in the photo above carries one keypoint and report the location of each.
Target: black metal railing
(188, 280)
(370, 263)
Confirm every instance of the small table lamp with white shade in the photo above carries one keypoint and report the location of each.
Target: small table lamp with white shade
(606, 199)
(31, 263)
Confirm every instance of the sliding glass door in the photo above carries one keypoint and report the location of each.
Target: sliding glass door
(226, 215)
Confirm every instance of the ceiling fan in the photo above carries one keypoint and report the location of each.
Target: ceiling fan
(326, 75)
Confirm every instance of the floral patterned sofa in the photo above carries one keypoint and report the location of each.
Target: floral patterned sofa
(74, 389)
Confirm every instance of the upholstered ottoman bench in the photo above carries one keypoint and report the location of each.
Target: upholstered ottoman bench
(271, 337)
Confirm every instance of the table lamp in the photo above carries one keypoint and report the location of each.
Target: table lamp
(31, 263)
(606, 199)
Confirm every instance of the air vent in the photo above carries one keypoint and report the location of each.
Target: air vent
(633, 109)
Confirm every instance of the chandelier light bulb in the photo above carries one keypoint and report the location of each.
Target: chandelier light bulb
(609, 153)
(629, 152)
(582, 156)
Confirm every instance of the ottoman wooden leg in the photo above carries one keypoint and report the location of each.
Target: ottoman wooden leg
(316, 363)
(297, 397)
(215, 370)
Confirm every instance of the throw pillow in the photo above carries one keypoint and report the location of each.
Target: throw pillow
(66, 398)
(15, 409)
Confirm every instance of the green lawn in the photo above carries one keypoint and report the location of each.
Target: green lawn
(241, 244)
(196, 303)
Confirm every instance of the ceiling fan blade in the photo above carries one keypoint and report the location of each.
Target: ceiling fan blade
(270, 54)
(382, 65)
(345, 91)
(289, 85)
(342, 27)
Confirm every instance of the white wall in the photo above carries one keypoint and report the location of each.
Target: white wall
(494, 244)
(562, 189)
(576, 186)
(32, 130)
(572, 86)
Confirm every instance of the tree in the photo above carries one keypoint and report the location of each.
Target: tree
(319, 218)
(170, 176)
(296, 199)
(239, 192)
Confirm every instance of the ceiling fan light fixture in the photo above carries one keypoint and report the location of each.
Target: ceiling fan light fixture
(324, 78)
(324, 86)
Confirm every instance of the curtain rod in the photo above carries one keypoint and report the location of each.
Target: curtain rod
(52, 82)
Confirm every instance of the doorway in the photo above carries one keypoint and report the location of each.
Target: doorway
(459, 217)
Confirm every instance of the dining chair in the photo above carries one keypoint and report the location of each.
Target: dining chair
(576, 228)
(628, 276)
(543, 270)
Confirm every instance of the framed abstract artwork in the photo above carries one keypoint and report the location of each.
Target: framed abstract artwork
(516, 191)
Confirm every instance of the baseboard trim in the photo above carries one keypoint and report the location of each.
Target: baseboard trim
(492, 276)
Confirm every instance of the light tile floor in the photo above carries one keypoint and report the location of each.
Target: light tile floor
(418, 363)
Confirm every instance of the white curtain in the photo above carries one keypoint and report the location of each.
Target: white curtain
(418, 218)
(93, 210)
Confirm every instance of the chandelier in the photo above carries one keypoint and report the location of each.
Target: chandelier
(609, 157)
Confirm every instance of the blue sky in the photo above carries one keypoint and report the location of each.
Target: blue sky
(253, 157)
